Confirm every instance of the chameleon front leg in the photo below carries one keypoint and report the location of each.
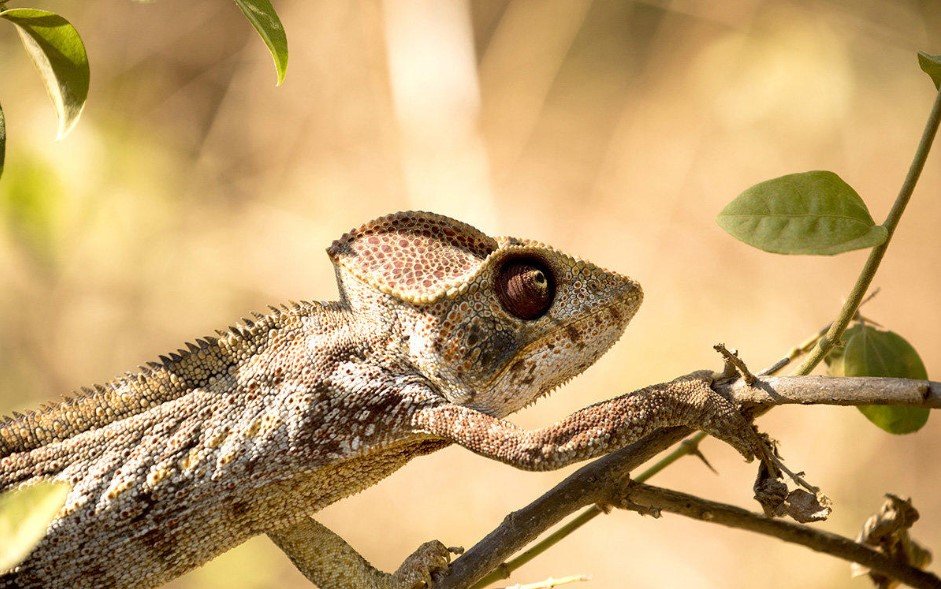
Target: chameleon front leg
(330, 563)
(597, 429)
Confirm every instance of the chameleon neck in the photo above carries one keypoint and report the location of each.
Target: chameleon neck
(201, 364)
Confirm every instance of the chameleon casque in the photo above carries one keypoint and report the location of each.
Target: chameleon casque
(439, 332)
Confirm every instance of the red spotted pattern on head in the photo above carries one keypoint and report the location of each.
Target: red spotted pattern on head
(414, 255)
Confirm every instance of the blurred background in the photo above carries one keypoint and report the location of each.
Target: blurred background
(193, 191)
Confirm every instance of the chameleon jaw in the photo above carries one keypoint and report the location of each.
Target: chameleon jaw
(525, 380)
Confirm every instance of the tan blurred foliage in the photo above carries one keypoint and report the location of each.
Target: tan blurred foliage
(193, 191)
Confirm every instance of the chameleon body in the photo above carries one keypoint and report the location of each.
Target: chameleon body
(439, 332)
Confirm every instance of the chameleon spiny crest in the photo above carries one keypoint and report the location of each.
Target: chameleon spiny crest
(439, 332)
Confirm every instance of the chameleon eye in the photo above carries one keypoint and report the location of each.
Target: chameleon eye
(525, 287)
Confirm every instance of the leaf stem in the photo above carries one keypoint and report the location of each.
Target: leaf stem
(868, 272)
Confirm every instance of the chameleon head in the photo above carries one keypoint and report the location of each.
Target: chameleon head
(494, 323)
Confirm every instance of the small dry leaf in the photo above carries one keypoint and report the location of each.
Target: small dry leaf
(805, 507)
(803, 504)
(771, 493)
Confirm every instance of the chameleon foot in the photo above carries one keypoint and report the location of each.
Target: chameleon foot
(712, 413)
(330, 563)
(417, 570)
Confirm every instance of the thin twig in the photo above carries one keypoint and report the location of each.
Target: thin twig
(647, 497)
(733, 362)
(809, 343)
(796, 352)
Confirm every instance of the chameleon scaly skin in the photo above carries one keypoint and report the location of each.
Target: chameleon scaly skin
(439, 332)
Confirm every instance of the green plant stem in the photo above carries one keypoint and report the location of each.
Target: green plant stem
(868, 272)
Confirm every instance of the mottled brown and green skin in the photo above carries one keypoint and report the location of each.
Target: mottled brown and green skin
(253, 431)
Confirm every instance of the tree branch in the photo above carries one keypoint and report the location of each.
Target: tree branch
(592, 483)
(769, 391)
(647, 497)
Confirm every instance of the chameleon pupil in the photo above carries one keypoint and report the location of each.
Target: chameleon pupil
(525, 288)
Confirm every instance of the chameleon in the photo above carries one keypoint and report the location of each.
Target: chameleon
(439, 332)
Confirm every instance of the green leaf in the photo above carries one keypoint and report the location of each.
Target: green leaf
(931, 65)
(25, 514)
(58, 52)
(873, 352)
(809, 213)
(3, 140)
(265, 20)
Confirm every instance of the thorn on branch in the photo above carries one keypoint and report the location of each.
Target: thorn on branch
(734, 365)
(691, 446)
(871, 296)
